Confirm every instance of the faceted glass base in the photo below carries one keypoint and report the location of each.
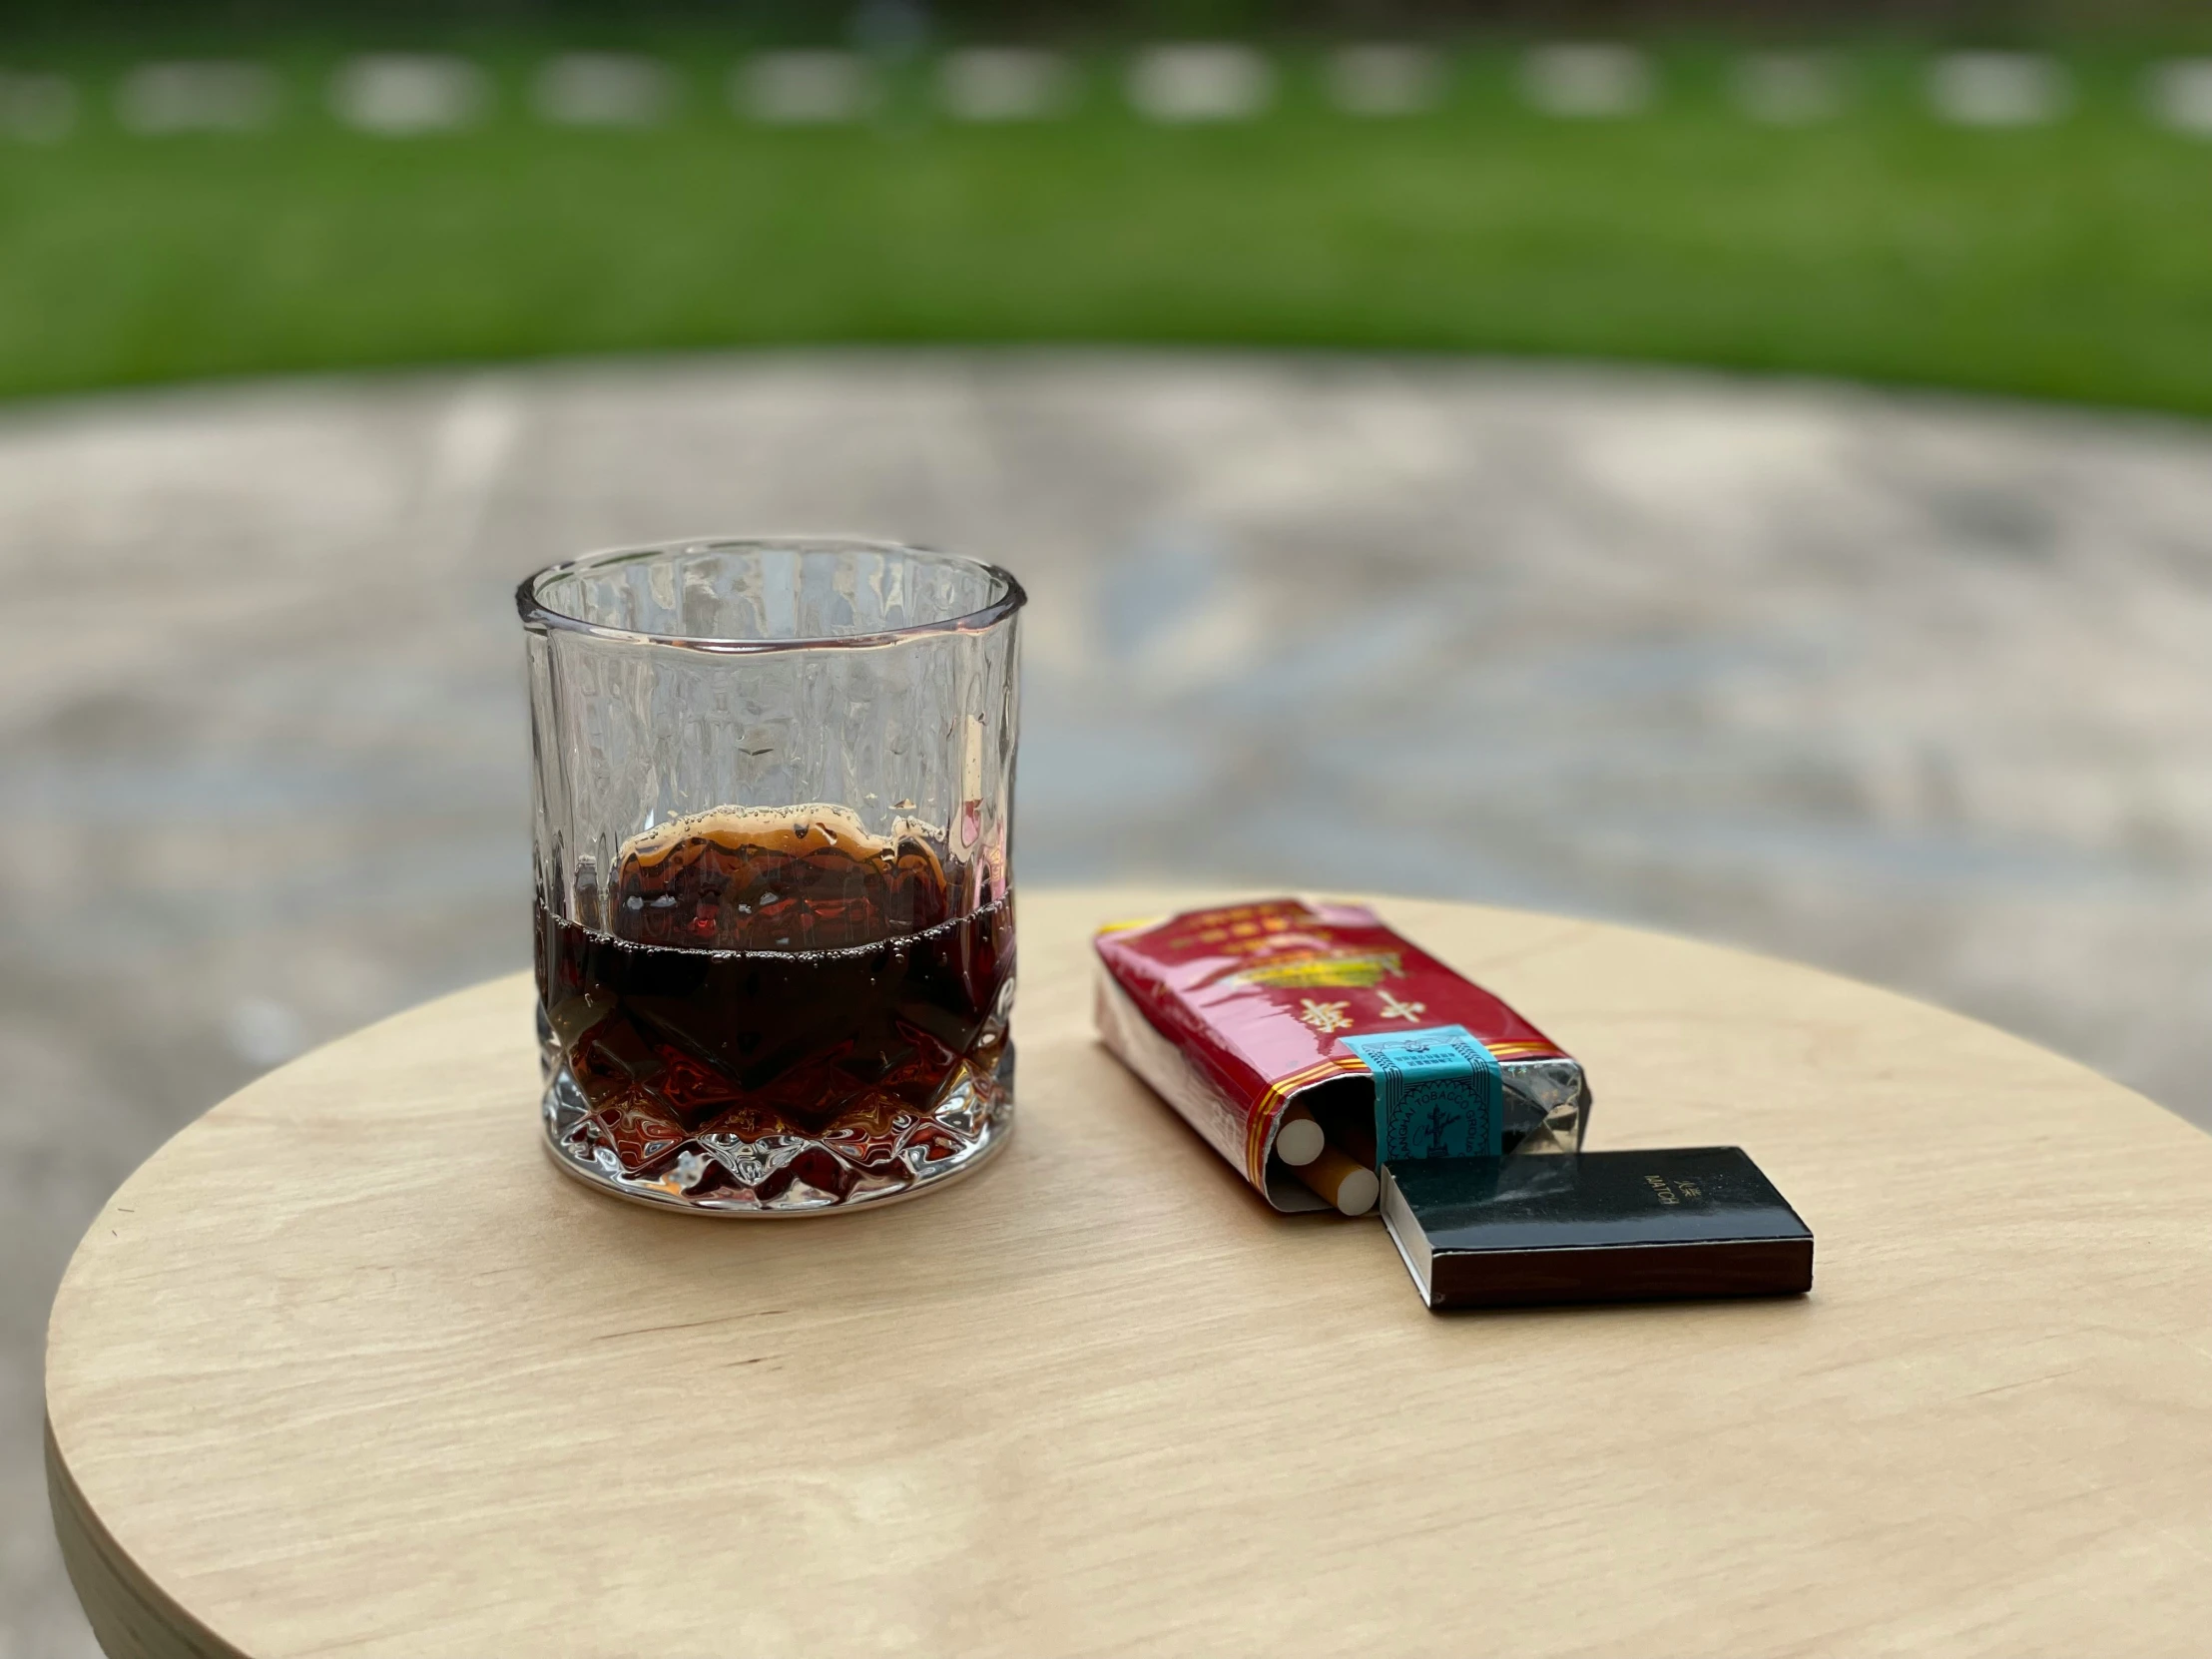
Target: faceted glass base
(794, 1174)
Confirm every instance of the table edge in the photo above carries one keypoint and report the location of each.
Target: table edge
(130, 1617)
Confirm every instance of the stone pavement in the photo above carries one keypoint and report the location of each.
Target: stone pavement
(1916, 689)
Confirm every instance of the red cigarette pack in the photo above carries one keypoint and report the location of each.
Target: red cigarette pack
(1237, 1014)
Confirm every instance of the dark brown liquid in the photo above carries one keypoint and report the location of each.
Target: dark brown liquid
(776, 975)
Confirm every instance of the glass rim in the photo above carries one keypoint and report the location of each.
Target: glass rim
(537, 613)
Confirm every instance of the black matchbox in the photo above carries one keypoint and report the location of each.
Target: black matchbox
(1595, 1227)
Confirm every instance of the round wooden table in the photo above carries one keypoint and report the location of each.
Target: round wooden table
(349, 1367)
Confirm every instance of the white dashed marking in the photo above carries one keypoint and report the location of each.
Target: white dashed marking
(802, 89)
(1004, 83)
(402, 95)
(205, 96)
(1587, 81)
(1998, 89)
(37, 108)
(1218, 81)
(604, 89)
(2181, 95)
(1787, 88)
(1381, 80)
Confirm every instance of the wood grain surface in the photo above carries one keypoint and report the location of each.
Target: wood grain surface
(348, 1368)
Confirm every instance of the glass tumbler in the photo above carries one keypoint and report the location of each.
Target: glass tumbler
(774, 912)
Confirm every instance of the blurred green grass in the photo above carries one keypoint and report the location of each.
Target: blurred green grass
(2072, 262)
